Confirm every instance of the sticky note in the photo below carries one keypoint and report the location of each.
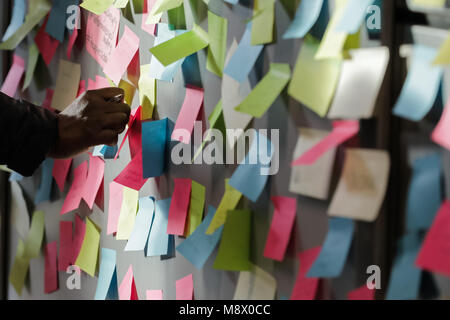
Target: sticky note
(19, 212)
(51, 270)
(35, 236)
(362, 293)
(87, 258)
(148, 27)
(181, 46)
(96, 6)
(185, 288)
(144, 218)
(256, 284)
(342, 131)
(429, 3)
(314, 81)
(60, 170)
(404, 280)
(251, 175)
(198, 247)
(306, 15)
(57, 19)
(244, 58)
(179, 206)
(46, 44)
(134, 124)
(114, 207)
(128, 212)
(94, 180)
(263, 21)
(33, 55)
(73, 198)
(12, 80)
(147, 93)
(164, 5)
(78, 237)
(67, 84)
(72, 38)
(234, 247)
(65, 245)
(154, 294)
(441, 133)
(132, 176)
(354, 14)
(158, 239)
(107, 276)
(305, 288)
(266, 91)
(443, 55)
(217, 32)
(17, 18)
(135, 136)
(155, 139)
(421, 86)
(362, 186)
(285, 210)
(45, 185)
(20, 267)
(196, 206)
(127, 288)
(359, 83)
(433, 255)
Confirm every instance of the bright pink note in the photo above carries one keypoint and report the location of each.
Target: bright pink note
(65, 245)
(135, 146)
(46, 44)
(74, 196)
(61, 168)
(94, 179)
(115, 204)
(100, 198)
(80, 230)
(101, 82)
(51, 270)
(48, 99)
(122, 55)
(281, 227)
(441, 134)
(362, 293)
(127, 288)
(134, 69)
(154, 294)
(81, 88)
(72, 39)
(342, 131)
(12, 80)
(434, 255)
(179, 206)
(150, 28)
(185, 288)
(306, 288)
(132, 176)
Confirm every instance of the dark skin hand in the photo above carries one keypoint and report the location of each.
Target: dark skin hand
(91, 120)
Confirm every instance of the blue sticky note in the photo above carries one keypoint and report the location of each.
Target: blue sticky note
(105, 152)
(404, 282)
(424, 194)
(45, 187)
(18, 16)
(353, 16)
(244, 58)
(319, 28)
(170, 249)
(155, 140)
(421, 86)
(142, 226)
(158, 239)
(56, 24)
(198, 246)
(15, 177)
(306, 15)
(107, 277)
(332, 256)
(251, 175)
(191, 71)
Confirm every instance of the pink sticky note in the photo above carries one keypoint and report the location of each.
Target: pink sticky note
(281, 227)
(179, 206)
(81, 88)
(74, 196)
(150, 28)
(94, 180)
(434, 255)
(48, 99)
(189, 113)
(127, 288)
(46, 44)
(91, 84)
(60, 170)
(100, 198)
(306, 288)
(342, 131)
(65, 245)
(78, 237)
(362, 293)
(121, 56)
(441, 134)
(154, 294)
(51, 270)
(185, 288)
(115, 204)
(134, 69)
(12, 80)
(101, 82)
(132, 176)
(134, 147)
(72, 39)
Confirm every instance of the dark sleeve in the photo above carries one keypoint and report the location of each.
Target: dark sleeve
(27, 134)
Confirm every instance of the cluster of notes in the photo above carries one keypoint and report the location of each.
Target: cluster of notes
(333, 76)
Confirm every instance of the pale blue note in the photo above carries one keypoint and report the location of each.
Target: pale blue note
(251, 175)
(244, 58)
(334, 252)
(421, 86)
(15, 176)
(105, 152)
(17, 19)
(45, 187)
(404, 281)
(306, 15)
(155, 140)
(56, 23)
(158, 240)
(107, 276)
(198, 246)
(424, 194)
(142, 226)
(232, 1)
(354, 15)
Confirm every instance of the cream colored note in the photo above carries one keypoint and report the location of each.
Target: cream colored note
(256, 284)
(67, 83)
(313, 180)
(362, 185)
(127, 213)
(20, 217)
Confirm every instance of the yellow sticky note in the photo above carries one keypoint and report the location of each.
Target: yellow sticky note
(120, 3)
(443, 56)
(147, 93)
(87, 258)
(129, 91)
(163, 5)
(217, 31)
(67, 84)
(19, 269)
(429, 3)
(262, 21)
(97, 6)
(35, 235)
(128, 212)
(196, 207)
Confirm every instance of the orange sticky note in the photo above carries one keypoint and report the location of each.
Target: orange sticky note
(179, 206)
(441, 134)
(185, 288)
(74, 196)
(12, 80)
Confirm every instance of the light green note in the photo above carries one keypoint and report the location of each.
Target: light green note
(33, 55)
(262, 21)
(196, 207)
(87, 258)
(217, 31)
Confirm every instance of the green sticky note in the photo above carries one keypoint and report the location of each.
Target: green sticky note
(138, 6)
(19, 269)
(234, 248)
(262, 21)
(147, 92)
(196, 207)
(127, 12)
(87, 258)
(176, 17)
(443, 56)
(266, 91)
(33, 55)
(164, 5)
(181, 46)
(290, 6)
(37, 11)
(97, 6)
(217, 31)
(313, 81)
(5, 168)
(35, 235)
(120, 3)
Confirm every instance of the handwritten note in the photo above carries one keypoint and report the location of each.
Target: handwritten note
(73, 198)
(128, 212)
(67, 84)
(127, 288)
(185, 288)
(179, 206)
(132, 176)
(256, 284)
(217, 31)
(94, 180)
(305, 288)
(107, 276)
(46, 44)
(142, 226)
(12, 80)
(158, 239)
(87, 258)
(306, 15)
(60, 171)
(51, 270)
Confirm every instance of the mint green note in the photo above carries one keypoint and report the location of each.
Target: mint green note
(262, 21)
(19, 269)
(217, 31)
(33, 55)
(181, 46)
(266, 91)
(35, 235)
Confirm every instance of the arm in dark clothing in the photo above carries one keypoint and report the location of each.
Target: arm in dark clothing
(27, 134)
